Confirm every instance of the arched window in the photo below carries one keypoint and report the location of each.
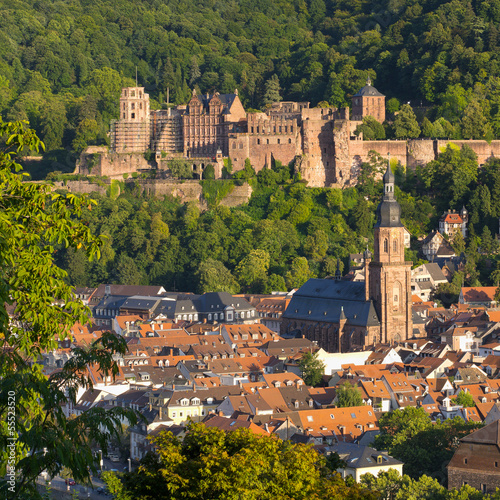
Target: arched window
(386, 245)
(395, 246)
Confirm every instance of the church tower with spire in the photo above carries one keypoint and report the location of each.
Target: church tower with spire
(389, 276)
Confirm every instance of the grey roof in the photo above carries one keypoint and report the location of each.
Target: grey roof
(322, 300)
(358, 456)
(223, 300)
(435, 271)
(368, 90)
(226, 99)
(140, 302)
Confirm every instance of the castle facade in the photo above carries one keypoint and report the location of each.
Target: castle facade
(214, 128)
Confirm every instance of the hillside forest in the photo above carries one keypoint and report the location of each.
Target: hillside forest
(62, 64)
(287, 232)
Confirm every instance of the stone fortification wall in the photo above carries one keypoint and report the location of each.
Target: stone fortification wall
(483, 150)
(186, 191)
(192, 190)
(81, 187)
(102, 162)
(359, 150)
(418, 152)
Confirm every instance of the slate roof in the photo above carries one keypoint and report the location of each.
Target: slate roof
(368, 90)
(322, 300)
(360, 457)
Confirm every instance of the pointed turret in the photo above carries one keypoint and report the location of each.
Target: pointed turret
(389, 211)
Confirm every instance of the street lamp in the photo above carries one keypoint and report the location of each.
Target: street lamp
(100, 460)
(129, 464)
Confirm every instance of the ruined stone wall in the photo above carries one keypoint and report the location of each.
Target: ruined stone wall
(268, 137)
(420, 152)
(111, 164)
(186, 191)
(318, 166)
(483, 150)
(359, 150)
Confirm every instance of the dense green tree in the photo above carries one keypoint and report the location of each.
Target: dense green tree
(465, 399)
(272, 91)
(213, 276)
(405, 124)
(311, 368)
(371, 129)
(33, 220)
(299, 273)
(180, 168)
(252, 271)
(424, 447)
(348, 395)
(237, 465)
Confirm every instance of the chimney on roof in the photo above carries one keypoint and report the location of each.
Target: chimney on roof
(221, 414)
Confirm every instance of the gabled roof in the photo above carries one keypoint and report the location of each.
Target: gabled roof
(452, 218)
(361, 457)
(487, 435)
(478, 293)
(322, 300)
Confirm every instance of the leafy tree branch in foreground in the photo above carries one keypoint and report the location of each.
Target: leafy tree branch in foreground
(33, 291)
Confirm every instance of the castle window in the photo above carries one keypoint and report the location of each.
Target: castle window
(258, 141)
(252, 130)
(291, 128)
(280, 129)
(133, 106)
(395, 245)
(123, 115)
(132, 115)
(289, 141)
(278, 141)
(132, 93)
(386, 245)
(267, 141)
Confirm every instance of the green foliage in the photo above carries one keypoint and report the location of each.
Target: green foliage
(247, 173)
(216, 190)
(311, 369)
(33, 221)
(405, 124)
(465, 399)
(348, 395)
(215, 277)
(209, 172)
(424, 447)
(371, 129)
(180, 168)
(237, 465)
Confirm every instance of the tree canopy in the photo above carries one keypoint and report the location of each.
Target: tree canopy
(37, 306)
(239, 465)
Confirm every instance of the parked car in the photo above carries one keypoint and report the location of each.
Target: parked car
(114, 457)
(70, 482)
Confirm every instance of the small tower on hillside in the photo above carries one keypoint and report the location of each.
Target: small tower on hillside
(368, 102)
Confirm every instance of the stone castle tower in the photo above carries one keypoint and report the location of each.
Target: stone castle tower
(131, 133)
(388, 275)
(368, 102)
